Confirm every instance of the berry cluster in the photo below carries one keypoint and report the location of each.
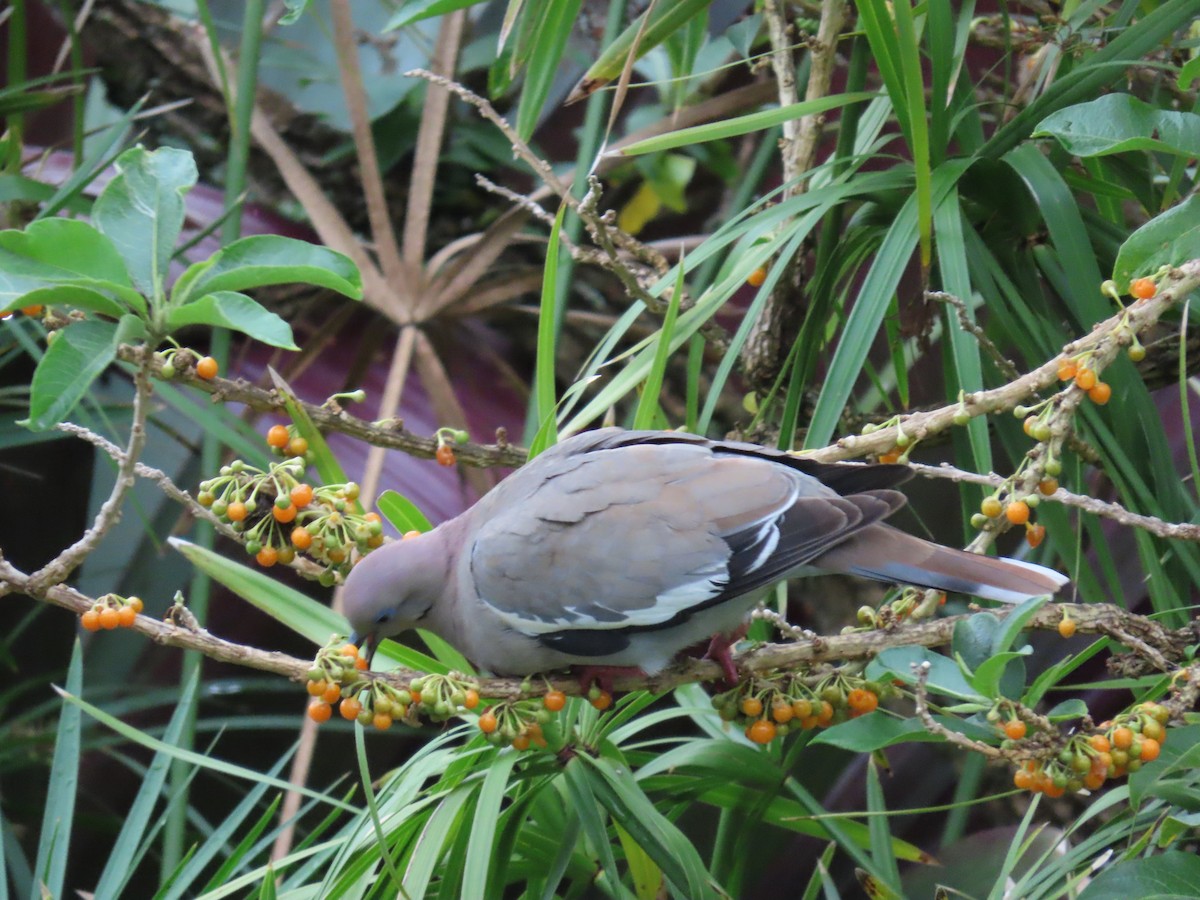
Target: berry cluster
(171, 359)
(111, 611)
(278, 514)
(518, 723)
(1120, 746)
(285, 441)
(767, 709)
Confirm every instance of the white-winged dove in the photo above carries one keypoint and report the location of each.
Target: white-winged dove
(621, 548)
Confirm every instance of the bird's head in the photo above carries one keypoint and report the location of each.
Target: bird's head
(394, 588)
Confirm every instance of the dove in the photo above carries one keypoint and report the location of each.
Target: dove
(620, 549)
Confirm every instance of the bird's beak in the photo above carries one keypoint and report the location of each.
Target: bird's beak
(367, 644)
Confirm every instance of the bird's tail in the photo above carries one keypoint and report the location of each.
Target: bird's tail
(886, 554)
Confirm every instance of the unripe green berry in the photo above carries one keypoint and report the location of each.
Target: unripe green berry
(1053, 467)
(253, 547)
(902, 439)
(461, 437)
(961, 418)
(326, 579)
(979, 520)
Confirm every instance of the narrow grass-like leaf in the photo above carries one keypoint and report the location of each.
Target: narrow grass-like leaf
(117, 871)
(54, 841)
(579, 783)
(727, 128)
(233, 860)
(402, 512)
(482, 839)
(647, 407)
(442, 824)
(324, 461)
(556, 18)
(543, 385)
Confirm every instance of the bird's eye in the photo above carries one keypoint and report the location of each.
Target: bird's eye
(384, 617)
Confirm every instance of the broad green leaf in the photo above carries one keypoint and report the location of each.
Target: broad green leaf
(758, 121)
(62, 252)
(81, 352)
(661, 20)
(1166, 240)
(402, 512)
(141, 212)
(944, 675)
(268, 259)
(877, 730)
(54, 842)
(229, 309)
(989, 676)
(1168, 875)
(75, 296)
(1116, 123)
(974, 637)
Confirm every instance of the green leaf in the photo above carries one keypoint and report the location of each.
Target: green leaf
(877, 730)
(647, 407)
(141, 211)
(1168, 875)
(481, 844)
(555, 20)
(661, 21)
(974, 638)
(416, 10)
(57, 253)
(543, 378)
(738, 125)
(54, 843)
(302, 614)
(81, 352)
(402, 512)
(1116, 123)
(228, 309)
(988, 677)
(1166, 240)
(75, 296)
(944, 675)
(268, 259)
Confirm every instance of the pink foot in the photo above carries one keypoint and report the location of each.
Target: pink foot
(718, 652)
(603, 675)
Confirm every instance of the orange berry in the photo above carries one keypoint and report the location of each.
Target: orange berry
(319, 711)
(350, 708)
(862, 701)
(1101, 393)
(757, 277)
(445, 455)
(471, 698)
(207, 368)
(278, 436)
(1023, 779)
(1143, 288)
(761, 732)
(90, 620)
(1099, 743)
(350, 650)
(415, 696)
(1067, 370)
(34, 310)
(521, 742)
(1017, 512)
(1093, 780)
(752, 707)
(382, 721)
(554, 700)
(267, 557)
(109, 619)
(602, 701)
(825, 714)
(1066, 628)
(136, 603)
(284, 515)
(126, 616)
(1150, 749)
(487, 722)
(1122, 737)
(236, 511)
(890, 457)
(301, 495)
(301, 538)
(1014, 729)
(333, 691)
(372, 517)
(297, 446)
(1053, 791)
(360, 663)
(782, 712)
(316, 688)
(1085, 380)
(802, 709)
(1047, 486)
(1035, 534)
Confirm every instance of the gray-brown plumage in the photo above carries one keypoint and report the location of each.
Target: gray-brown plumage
(622, 548)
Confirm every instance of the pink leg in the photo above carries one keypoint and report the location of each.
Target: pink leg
(718, 652)
(603, 675)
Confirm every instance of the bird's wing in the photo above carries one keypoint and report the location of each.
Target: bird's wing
(615, 534)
